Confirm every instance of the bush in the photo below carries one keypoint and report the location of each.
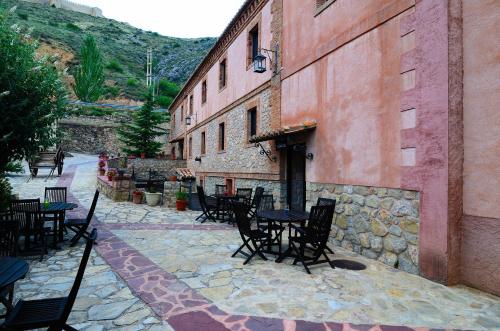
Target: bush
(168, 88)
(112, 91)
(176, 45)
(15, 167)
(132, 82)
(113, 65)
(5, 193)
(23, 16)
(53, 23)
(181, 196)
(73, 27)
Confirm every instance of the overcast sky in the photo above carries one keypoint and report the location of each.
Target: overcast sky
(185, 18)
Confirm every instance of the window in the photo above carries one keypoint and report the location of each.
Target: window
(182, 114)
(204, 91)
(222, 74)
(229, 186)
(222, 138)
(173, 122)
(252, 122)
(191, 104)
(190, 147)
(253, 44)
(202, 143)
(322, 5)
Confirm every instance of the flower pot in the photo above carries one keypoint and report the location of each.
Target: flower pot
(152, 199)
(110, 178)
(173, 178)
(132, 157)
(143, 155)
(102, 172)
(181, 205)
(137, 198)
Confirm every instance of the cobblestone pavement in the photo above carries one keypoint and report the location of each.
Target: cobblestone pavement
(156, 269)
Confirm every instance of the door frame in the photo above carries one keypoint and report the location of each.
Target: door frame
(289, 150)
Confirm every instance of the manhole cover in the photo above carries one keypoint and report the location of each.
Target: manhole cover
(347, 264)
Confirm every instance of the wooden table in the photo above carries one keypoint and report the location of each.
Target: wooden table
(11, 270)
(282, 216)
(58, 209)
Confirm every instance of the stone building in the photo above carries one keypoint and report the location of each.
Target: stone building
(386, 105)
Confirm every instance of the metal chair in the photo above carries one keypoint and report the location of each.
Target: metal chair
(80, 225)
(312, 237)
(253, 239)
(27, 213)
(49, 313)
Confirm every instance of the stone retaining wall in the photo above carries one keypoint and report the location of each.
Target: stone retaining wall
(116, 190)
(169, 191)
(379, 223)
(166, 167)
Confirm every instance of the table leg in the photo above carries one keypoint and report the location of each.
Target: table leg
(61, 227)
(269, 235)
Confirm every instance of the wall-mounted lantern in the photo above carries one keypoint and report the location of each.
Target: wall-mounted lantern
(197, 159)
(189, 117)
(259, 61)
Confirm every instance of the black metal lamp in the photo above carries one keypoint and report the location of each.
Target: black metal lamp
(259, 63)
(188, 120)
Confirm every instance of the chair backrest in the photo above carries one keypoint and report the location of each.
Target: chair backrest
(79, 276)
(244, 193)
(325, 202)
(56, 194)
(243, 221)
(26, 210)
(9, 234)
(202, 198)
(220, 189)
(319, 225)
(92, 207)
(259, 191)
(266, 202)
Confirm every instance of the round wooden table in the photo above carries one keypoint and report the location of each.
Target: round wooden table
(11, 270)
(58, 209)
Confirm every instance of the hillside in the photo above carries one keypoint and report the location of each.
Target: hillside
(123, 46)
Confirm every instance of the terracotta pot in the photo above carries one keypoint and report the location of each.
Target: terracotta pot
(173, 178)
(143, 155)
(137, 198)
(181, 205)
(102, 172)
(110, 178)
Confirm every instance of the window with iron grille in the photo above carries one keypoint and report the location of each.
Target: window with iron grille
(222, 137)
(202, 143)
(191, 104)
(222, 74)
(252, 122)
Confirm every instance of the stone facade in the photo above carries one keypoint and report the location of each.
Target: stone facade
(116, 190)
(379, 223)
(169, 191)
(166, 167)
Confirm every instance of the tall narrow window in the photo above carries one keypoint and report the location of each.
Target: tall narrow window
(202, 143)
(252, 122)
(191, 104)
(253, 44)
(204, 91)
(222, 137)
(222, 74)
(182, 114)
(190, 147)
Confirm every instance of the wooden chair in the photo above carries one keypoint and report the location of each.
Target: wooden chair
(209, 208)
(313, 238)
(255, 203)
(267, 203)
(220, 189)
(56, 194)
(253, 239)
(27, 213)
(9, 236)
(80, 225)
(327, 202)
(49, 313)
(244, 194)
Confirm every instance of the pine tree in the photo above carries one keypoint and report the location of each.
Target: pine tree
(89, 76)
(139, 136)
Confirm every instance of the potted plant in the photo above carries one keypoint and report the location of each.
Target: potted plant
(143, 155)
(173, 178)
(132, 157)
(111, 175)
(137, 197)
(153, 198)
(181, 200)
(102, 170)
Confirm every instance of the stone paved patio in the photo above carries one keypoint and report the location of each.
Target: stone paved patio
(156, 269)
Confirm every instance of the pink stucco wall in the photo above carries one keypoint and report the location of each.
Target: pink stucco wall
(240, 81)
(481, 24)
(353, 93)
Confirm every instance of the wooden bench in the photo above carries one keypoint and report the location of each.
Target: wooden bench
(47, 160)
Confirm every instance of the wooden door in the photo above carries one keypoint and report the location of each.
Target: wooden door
(296, 180)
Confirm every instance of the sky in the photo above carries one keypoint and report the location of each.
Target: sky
(185, 18)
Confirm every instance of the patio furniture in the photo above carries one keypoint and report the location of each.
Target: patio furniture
(47, 160)
(27, 213)
(9, 236)
(55, 194)
(244, 194)
(11, 270)
(283, 218)
(220, 189)
(327, 202)
(49, 313)
(58, 210)
(80, 225)
(254, 205)
(253, 239)
(267, 203)
(209, 209)
(314, 237)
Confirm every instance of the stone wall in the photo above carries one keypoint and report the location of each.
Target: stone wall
(166, 167)
(116, 190)
(70, 5)
(169, 191)
(89, 136)
(379, 223)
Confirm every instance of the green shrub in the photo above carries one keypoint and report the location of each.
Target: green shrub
(168, 88)
(176, 45)
(53, 23)
(181, 196)
(73, 27)
(5, 193)
(113, 65)
(15, 167)
(112, 91)
(23, 16)
(132, 82)
(164, 101)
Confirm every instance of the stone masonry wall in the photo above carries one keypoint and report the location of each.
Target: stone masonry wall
(166, 167)
(379, 223)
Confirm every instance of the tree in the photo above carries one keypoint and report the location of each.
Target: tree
(89, 76)
(139, 136)
(32, 97)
